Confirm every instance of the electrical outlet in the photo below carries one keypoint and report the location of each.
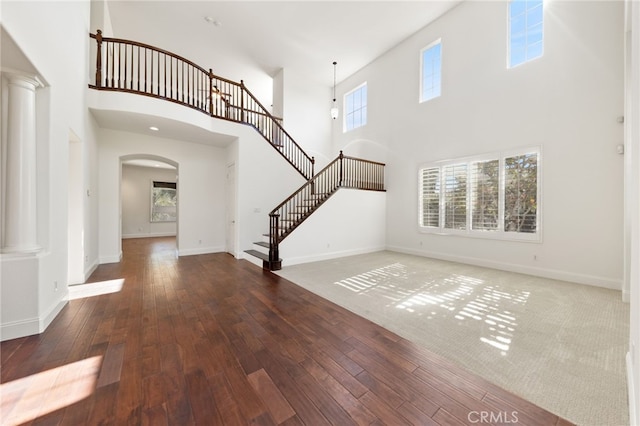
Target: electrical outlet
(199, 241)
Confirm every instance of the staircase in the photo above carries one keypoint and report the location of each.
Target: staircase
(133, 67)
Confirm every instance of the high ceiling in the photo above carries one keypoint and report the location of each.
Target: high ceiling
(241, 38)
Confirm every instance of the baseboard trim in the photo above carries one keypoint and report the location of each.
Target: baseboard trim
(521, 269)
(290, 261)
(633, 409)
(111, 259)
(201, 250)
(90, 270)
(22, 328)
(46, 319)
(147, 235)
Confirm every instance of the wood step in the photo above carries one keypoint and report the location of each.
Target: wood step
(266, 263)
(258, 254)
(262, 243)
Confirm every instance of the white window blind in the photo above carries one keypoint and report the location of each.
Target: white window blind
(485, 192)
(521, 193)
(455, 196)
(430, 213)
(493, 196)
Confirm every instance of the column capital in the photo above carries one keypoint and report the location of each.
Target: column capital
(28, 81)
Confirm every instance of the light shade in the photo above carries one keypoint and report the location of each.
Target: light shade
(335, 112)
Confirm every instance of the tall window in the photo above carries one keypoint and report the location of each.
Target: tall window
(431, 71)
(163, 202)
(525, 31)
(492, 196)
(355, 108)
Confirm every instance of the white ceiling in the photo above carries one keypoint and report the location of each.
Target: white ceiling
(303, 36)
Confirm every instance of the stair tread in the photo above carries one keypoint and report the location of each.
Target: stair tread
(259, 254)
(262, 244)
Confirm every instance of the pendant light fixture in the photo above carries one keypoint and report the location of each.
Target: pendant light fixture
(334, 109)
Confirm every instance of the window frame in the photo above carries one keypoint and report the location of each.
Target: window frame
(363, 106)
(526, 33)
(499, 233)
(152, 203)
(421, 97)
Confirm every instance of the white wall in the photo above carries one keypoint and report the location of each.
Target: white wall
(306, 116)
(264, 179)
(350, 222)
(566, 102)
(201, 209)
(136, 201)
(632, 204)
(30, 301)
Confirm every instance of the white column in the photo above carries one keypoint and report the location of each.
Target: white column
(20, 222)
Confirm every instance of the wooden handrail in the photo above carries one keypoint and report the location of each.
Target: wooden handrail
(342, 172)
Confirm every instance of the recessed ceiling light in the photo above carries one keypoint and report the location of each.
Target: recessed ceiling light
(154, 128)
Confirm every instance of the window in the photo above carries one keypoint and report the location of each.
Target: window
(525, 31)
(431, 71)
(163, 202)
(430, 185)
(455, 196)
(492, 196)
(355, 108)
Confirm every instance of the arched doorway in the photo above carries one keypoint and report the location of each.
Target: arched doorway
(149, 197)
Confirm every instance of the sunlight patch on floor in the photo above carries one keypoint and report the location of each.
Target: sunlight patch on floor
(95, 289)
(36, 395)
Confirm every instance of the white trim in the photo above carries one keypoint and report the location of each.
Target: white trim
(147, 235)
(31, 326)
(592, 280)
(49, 316)
(290, 261)
(90, 270)
(111, 259)
(633, 409)
(201, 250)
(22, 328)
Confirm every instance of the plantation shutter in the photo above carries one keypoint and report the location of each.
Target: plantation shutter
(430, 197)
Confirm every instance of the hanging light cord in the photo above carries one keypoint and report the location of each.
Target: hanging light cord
(334, 80)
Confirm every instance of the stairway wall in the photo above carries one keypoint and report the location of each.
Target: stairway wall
(351, 222)
(264, 178)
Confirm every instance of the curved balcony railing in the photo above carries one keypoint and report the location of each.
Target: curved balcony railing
(129, 66)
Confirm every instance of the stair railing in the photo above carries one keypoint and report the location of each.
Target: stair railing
(343, 172)
(128, 66)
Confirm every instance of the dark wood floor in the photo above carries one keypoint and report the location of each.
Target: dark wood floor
(212, 340)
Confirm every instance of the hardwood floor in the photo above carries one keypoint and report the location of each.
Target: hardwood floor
(212, 340)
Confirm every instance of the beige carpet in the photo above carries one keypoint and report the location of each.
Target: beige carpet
(558, 344)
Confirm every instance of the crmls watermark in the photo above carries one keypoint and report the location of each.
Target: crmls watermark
(492, 417)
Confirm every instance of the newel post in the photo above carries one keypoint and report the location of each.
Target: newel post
(242, 117)
(274, 232)
(99, 59)
(341, 156)
(210, 92)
